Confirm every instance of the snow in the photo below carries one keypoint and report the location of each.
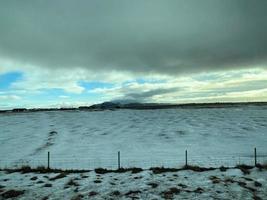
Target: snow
(232, 184)
(145, 138)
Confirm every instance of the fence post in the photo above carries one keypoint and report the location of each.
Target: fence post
(48, 160)
(186, 158)
(255, 156)
(119, 160)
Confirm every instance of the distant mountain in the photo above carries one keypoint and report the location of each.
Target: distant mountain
(106, 105)
(136, 105)
(118, 104)
(111, 105)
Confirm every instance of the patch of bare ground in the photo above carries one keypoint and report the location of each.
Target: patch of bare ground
(255, 197)
(34, 178)
(12, 194)
(42, 170)
(84, 176)
(47, 185)
(159, 170)
(40, 182)
(247, 179)
(77, 197)
(182, 185)
(197, 168)
(169, 194)
(215, 179)
(262, 166)
(223, 169)
(257, 184)
(198, 190)
(133, 193)
(76, 190)
(97, 181)
(115, 193)
(241, 184)
(71, 182)
(59, 176)
(153, 185)
(134, 170)
(137, 177)
(244, 168)
(92, 193)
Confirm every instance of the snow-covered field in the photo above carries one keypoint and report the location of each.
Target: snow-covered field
(232, 184)
(145, 138)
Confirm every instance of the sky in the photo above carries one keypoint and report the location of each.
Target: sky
(67, 53)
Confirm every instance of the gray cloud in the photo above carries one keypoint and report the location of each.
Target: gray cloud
(169, 36)
(145, 96)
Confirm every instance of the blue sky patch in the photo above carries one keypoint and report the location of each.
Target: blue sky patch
(7, 79)
(143, 81)
(95, 84)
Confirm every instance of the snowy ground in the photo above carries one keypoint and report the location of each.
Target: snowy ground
(145, 138)
(232, 184)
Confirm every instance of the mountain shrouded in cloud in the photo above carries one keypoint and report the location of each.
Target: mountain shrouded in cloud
(58, 44)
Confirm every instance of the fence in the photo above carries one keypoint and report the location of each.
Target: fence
(117, 161)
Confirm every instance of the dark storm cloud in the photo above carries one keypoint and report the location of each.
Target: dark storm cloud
(143, 96)
(138, 36)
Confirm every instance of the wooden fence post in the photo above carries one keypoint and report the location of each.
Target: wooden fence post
(186, 158)
(255, 156)
(119, 160)
(48, 160)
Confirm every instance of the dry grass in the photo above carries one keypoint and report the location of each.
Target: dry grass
(42, 170)
(159, 170)
(197, 168)
(156, 170)
(134, 170)
(244, 168)
(262, 166)
(61, 175)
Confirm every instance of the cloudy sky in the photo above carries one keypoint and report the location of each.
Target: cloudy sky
(70, 53)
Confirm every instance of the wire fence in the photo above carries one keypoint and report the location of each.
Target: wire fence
(120, 160)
